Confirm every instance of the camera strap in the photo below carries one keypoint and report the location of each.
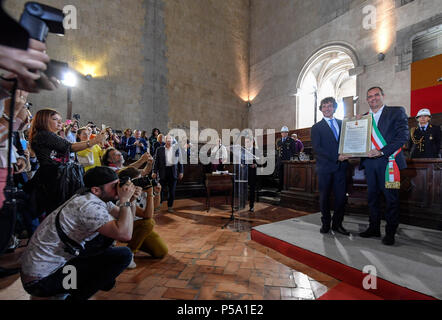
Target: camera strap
(71, 246)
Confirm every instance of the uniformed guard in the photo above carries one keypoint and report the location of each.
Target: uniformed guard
(425, 138)
(285, 150)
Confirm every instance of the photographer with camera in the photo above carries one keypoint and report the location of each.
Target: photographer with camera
(57, 178)
(80, 234)
(144, 238)
(114, 159)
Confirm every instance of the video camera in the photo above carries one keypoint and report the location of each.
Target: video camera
(143, 182)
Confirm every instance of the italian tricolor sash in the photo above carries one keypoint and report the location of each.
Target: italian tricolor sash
(392, 173)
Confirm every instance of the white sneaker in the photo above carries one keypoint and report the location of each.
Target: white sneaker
(132, 264)
(170, 209)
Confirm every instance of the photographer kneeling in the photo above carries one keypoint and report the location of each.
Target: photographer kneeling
(87, 223)
(144, 238)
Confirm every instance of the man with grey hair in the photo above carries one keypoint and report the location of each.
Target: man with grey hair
(168, 167)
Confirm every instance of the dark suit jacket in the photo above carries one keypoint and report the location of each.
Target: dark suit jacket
(132, 148)
(393, 125)
(160, 162)
(326, 148)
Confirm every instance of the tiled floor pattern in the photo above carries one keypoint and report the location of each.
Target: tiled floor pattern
(206, 261)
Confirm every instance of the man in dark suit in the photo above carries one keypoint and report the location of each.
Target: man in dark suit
(168, 167)
(251, 171)
(137, 146)
(330, 167)
(392, 124)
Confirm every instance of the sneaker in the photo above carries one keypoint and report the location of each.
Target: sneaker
(132, 264)
(170, 209)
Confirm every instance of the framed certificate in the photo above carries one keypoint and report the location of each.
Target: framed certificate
(355, 138)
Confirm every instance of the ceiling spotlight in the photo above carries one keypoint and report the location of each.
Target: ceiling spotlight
(381, 56)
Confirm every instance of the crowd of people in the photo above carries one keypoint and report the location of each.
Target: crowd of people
(78, 188)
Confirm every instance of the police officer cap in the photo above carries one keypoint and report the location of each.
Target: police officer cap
(423, 112)
(284, 129)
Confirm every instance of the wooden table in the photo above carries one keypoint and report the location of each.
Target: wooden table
(218, 182)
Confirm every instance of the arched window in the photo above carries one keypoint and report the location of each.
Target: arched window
(324, 75)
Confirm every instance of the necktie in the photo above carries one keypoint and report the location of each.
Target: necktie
(333, 129)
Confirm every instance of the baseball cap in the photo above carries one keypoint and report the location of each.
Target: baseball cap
(99, 176)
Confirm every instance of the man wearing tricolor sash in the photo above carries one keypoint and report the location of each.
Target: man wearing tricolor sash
(384, 162)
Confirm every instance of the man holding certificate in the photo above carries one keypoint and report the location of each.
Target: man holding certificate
(330, 166)
(383, 163)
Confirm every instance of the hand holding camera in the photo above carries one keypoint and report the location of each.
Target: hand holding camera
(125, 191)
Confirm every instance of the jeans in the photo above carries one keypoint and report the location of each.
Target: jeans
(92, 274)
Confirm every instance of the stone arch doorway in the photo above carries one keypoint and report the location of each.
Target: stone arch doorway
(324, 74)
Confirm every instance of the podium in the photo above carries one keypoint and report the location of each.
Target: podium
(241, 159)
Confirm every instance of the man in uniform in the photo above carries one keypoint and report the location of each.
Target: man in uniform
(285, 150)
(425, 138)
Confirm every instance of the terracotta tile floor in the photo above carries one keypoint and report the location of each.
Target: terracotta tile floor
(206, 261)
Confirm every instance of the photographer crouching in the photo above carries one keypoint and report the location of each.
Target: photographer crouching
(144, 237)
(80, 234)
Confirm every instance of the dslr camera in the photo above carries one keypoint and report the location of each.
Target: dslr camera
(39, 19)
(143, 182)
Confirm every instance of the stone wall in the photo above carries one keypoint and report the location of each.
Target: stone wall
(278, 52)
(208, 62)
(155, 63)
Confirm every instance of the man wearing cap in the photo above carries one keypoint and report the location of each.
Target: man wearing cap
(285, 150)
(331, 167)
(425, 138)
(50, 269)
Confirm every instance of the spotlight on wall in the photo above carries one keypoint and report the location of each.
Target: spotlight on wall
(70, 80)
(381, 57)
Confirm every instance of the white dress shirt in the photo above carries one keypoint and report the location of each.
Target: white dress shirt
(335, 123)
(169, 156)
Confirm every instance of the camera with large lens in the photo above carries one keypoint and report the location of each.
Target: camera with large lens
(143, 182)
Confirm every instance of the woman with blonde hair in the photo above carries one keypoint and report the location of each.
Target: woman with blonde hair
(90, 157)
(57, 179)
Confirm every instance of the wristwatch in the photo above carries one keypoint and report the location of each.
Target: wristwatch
(125, 204)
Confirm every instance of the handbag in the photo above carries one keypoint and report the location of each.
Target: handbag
(86, 161)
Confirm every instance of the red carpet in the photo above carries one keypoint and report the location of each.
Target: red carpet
(349, 275)
(345, 291)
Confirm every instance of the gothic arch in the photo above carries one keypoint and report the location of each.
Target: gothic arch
(329, 67)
